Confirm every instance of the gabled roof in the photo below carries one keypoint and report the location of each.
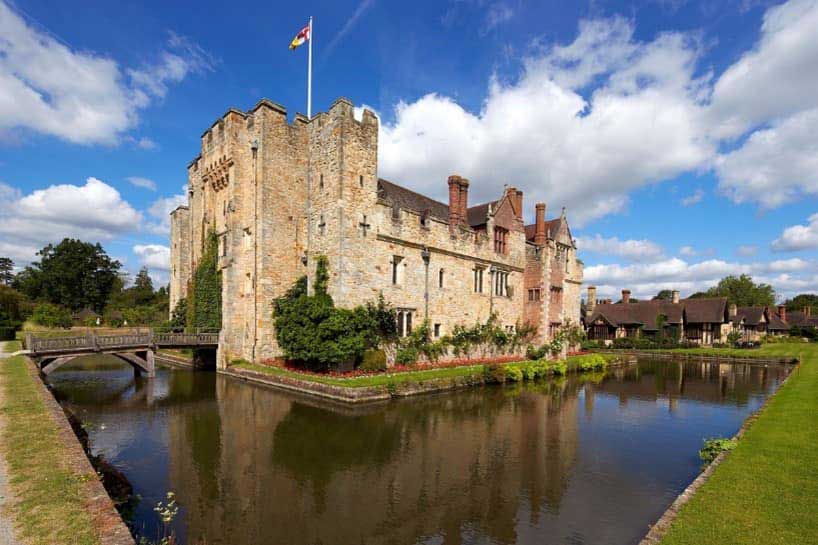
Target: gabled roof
(776, 323)
(798, 318)
(406, 198)
(751, 315)
(643, 313)
(551, 227)
(477, 215)
(703, 311)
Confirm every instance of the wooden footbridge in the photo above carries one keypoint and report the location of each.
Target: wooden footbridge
(137, 349)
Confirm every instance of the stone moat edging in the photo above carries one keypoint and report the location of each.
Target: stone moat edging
(370, 394)
(108, 524)
(660, 528)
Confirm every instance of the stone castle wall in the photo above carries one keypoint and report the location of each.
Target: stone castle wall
(279, 194)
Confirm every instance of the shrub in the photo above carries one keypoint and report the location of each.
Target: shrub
(587, 362)
(406, 356)
(373, 360)
(494, 373)
(713, 447)
(48, 315)
(591, 345)
(558, 367)
(514, 373)
(534, 353)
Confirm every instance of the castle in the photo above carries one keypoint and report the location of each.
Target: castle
(279, 194)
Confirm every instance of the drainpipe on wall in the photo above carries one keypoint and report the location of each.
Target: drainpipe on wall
(492, 274)
(254, 148)
(426, 255)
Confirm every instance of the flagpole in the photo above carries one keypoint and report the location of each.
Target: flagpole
(309, 73)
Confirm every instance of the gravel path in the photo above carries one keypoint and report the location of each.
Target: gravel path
(7, 536)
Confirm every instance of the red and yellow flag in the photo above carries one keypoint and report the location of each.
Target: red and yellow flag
(301, 37)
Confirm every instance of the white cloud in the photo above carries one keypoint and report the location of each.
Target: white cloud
(641, 125)
(145, 183)
(82, 97)
(775, 165)
(747, 250)
(591, 120)
(633, 250)
(160, 210)
(92, 212)
(646, 279)
(688, 251)
(777, 78)
(695, 198)
(153, 256)
(798, 237)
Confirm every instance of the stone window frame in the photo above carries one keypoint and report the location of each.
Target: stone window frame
(436, 331)
(534, 295)
(501, 285)
(397, 270)
(403, 318)
(479, 272)
(500, 240)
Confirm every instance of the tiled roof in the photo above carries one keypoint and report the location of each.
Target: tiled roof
(776, 323)
(704, 311)
(406, 198)
(476, 215)
(644, 313)
(750, 315)
(798, 318)
(551, 227)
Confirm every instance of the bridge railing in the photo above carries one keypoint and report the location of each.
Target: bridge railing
(91, 342)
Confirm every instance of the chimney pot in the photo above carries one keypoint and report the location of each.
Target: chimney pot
(626, 296)
(675, 296)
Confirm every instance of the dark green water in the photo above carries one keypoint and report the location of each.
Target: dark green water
(580, 460)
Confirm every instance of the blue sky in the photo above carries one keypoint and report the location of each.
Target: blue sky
(682, 137)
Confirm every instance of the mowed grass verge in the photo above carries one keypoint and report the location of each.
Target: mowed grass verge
(766, 490)
(384, 379)
(49, 506)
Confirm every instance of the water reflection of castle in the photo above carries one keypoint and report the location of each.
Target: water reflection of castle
(298, 473)
(263, 467)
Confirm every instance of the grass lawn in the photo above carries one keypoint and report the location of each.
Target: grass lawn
(766, 490)
(373, 380)
(11, 346)
(386, 379)
(49, 507)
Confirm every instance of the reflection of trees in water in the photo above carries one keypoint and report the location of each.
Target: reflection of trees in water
(313, 444)
(293, 470)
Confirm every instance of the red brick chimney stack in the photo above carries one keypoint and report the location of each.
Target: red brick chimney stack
(454, 201)
(539, 224)
(464, 200)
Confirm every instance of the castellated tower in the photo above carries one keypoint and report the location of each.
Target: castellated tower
(279, 194)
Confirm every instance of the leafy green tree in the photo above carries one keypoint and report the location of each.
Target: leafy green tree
(178, 319)
(11, 308)
(6, 268)
(803, 300)
(73, 274)
(742, 291)
(142, 289)
(665, 295)
(50, 315)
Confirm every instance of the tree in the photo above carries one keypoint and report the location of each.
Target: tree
(665, 295)
(142, 289)
(73, 274)
(742, 291)
(803, 300)
(48, 315)
(6, 268)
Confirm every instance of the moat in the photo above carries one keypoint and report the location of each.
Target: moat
(590, 459)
